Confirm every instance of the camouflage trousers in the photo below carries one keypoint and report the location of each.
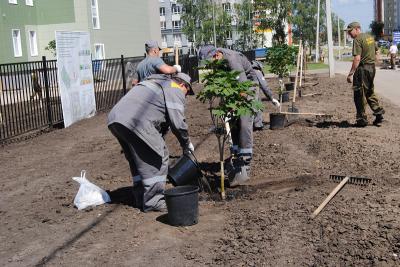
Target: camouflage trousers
(363, 86)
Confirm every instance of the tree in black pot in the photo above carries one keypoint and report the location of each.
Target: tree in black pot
(281, 58)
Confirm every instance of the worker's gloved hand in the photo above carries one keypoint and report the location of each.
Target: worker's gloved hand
(276, 103)
(178, 68)
(189, 148)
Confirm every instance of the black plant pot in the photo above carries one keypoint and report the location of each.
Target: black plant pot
(277, 121)
(289, 86)
(285, 96)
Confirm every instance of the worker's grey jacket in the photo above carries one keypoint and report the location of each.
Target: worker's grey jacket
(237, 61)
(263, 84)
(149, 108)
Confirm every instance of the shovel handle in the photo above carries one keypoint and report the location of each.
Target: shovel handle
(331, 195)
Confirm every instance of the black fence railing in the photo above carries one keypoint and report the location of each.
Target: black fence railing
(29, 93)
(251, 54)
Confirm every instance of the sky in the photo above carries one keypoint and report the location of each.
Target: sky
(354, 10)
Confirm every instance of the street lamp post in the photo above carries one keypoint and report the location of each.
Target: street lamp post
(215, 34)
(330, 41)
(338, 29)
(317, 35)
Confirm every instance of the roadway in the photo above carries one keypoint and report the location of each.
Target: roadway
(387, 82)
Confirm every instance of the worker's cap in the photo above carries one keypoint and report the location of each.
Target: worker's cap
(207, 52)
(256, 65)
(186, 79)
(352, 26)
(151, 44)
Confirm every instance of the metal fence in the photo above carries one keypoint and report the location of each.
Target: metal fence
(29, 93)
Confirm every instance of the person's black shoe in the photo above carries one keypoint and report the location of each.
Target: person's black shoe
(361, 123)
(378, 120)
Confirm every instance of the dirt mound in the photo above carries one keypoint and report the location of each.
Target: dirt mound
(266, 222)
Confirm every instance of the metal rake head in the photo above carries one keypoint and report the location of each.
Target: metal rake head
(353, 180)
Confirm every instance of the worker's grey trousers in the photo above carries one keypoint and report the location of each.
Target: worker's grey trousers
(148, 169)
(242, 135)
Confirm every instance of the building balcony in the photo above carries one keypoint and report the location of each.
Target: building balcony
(176, 16)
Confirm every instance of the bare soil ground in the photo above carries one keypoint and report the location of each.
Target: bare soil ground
(265, 223)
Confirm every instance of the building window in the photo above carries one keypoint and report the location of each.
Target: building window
(33, 43)
(162, 11)
(227, 7)
(16, 38)
(229, 36)
(99, 51)
(163, 25)
(177, 38)
(13, 2)
(176, 9)
(95, 14)
(164, 38)
(176, 24)
(29, 2)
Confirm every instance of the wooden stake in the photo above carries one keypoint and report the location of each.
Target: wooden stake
(297, 72)
(176, 55)
(301, 66)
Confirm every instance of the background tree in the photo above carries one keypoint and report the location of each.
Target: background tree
(243, 20)
(304, 21)
(51, 46)
(198, 22)
(377, 29)
(274, 14)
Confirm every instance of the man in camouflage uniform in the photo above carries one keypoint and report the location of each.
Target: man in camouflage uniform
(363, 69)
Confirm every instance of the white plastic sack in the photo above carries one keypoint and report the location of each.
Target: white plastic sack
(89, 194)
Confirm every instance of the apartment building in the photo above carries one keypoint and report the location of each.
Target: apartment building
(391, 16)
(116, 27)
(171, 27)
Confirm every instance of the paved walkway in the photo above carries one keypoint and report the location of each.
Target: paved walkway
(387, 82)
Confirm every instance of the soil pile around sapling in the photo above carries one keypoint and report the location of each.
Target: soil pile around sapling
(266, 222)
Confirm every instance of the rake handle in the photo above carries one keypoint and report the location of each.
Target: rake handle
(331, 195)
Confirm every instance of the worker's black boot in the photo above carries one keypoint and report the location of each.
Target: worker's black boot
(241, 172)
(361, 122)
(378, 120)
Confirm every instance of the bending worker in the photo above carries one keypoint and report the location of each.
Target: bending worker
(153, 64)
(242, 132)
(139, 121)
(258, 118)
(363, 69)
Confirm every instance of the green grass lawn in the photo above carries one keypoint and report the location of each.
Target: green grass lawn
(317, 66)
(310, 66)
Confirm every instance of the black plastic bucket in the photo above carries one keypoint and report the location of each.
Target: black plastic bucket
(277, 121)
(185, 171)
(285, 96)
(289, 86)
(183, 205)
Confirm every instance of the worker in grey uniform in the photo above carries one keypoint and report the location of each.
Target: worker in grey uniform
(153, 64)
(242, 130)
(139, 121)
(263, 86)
